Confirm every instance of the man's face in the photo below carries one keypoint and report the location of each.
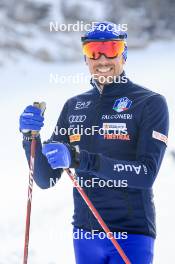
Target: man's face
(104, 70)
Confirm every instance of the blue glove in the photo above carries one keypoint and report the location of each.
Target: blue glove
(60, 155)
(31, 119)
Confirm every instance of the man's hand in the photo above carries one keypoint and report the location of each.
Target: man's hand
(31, 119)
(60, 155)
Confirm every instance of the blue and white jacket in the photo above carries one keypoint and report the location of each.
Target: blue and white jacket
(126, 155)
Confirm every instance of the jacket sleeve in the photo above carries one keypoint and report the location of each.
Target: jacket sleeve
(44, 175)
(152, 141)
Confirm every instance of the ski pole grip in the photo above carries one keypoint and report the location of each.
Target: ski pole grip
(42, 107)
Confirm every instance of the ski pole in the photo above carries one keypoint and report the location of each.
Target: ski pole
(97, 216)
(42, 106)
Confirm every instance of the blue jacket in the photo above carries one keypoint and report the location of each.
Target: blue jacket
(128, 153)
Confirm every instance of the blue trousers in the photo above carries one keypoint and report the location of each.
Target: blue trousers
(98, 249)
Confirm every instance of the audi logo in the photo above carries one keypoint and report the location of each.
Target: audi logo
(77, 118)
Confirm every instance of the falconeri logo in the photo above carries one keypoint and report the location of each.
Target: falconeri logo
(117, 116)
(122, 104)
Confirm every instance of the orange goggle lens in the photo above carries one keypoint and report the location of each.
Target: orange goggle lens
(111, 49)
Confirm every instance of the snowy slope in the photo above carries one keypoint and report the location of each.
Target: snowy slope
(51, 241)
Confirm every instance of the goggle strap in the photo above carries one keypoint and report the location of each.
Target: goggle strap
(86, 39)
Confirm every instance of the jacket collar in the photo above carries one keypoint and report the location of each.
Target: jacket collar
(120, 87)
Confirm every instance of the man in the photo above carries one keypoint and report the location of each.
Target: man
(134, 122)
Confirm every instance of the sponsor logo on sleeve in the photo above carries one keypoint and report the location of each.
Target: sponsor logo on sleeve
(160, 136)
(127, 167)
(122, 104)
(130, 168)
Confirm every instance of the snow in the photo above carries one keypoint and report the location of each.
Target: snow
(50, 237)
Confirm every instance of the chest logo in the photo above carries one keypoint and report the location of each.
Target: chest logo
(122, 104)
(82, 105)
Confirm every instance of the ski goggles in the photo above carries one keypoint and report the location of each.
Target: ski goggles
(110, 49)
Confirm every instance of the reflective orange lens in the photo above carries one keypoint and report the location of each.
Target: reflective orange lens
(110, 49)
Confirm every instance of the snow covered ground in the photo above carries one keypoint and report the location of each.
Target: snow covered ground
(50, 239)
